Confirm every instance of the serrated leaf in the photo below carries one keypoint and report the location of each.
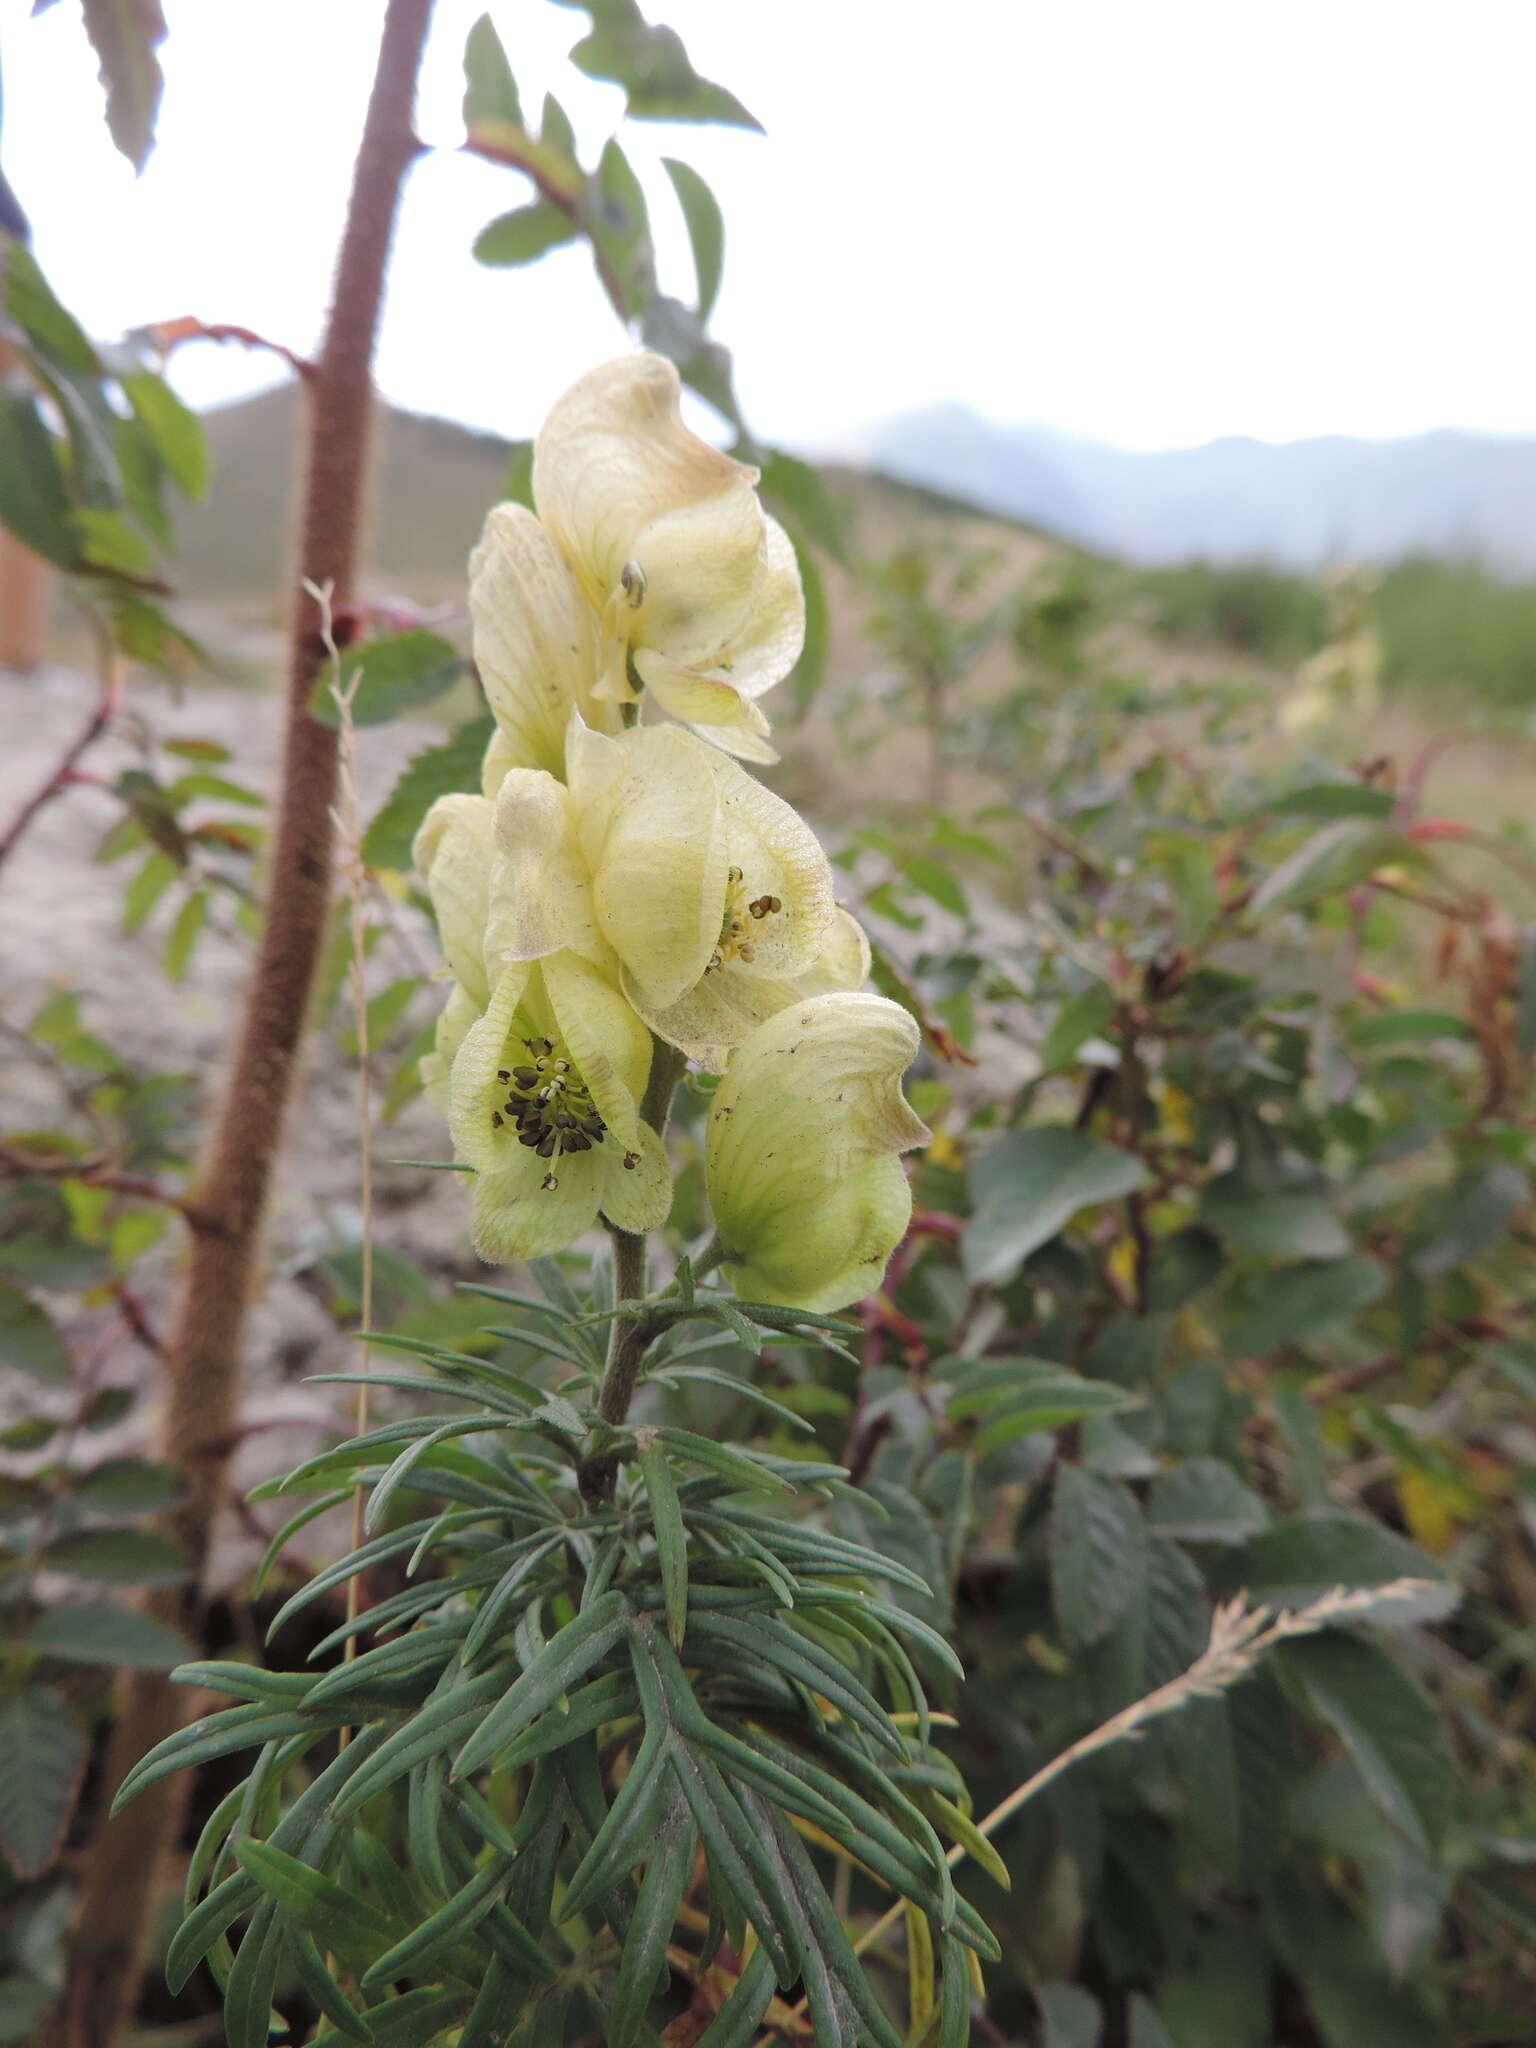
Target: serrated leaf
(437, 771)
(1098, 1554)
(393, 674)
(141, 1557)
(42, 1754)
(1202, 1500)
(1030, 1185)
(1297, 1560)
(1016, 1397)
(97, 1632)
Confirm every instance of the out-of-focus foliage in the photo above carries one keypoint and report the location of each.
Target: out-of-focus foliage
(1219, 1280)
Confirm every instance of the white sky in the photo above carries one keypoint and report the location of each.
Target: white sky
(1150, 222)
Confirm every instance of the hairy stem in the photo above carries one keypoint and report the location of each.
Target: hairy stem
(630, 1337)
(124, 1870)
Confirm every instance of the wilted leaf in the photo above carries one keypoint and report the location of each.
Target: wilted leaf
(124, 35)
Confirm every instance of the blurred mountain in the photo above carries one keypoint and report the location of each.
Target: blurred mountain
(432, 483)
(1296, 503)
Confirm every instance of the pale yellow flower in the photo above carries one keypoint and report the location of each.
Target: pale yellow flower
(538, 646)
(544, 1100)
(694, 585)
(453, 853)
(802, 1156)
(711, 894)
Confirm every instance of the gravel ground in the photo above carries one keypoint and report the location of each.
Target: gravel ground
(61, 926)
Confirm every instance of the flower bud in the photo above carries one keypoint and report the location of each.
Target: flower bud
(805, 1132)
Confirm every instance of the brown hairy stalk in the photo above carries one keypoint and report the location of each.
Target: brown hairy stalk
(125, 1868)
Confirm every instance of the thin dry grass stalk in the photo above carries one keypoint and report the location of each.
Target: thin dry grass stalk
(354, 875)
(1239, 1637)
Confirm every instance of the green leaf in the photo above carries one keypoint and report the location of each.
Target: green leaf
(342, 1920)
(1334, 800)
(186, 929)
(668, 1869)
(1290, 1223)
(129, 1486)
(490, 90)
(1202, 1500)
(651, 64)
(1098, 1554)
(393, 675)
(438, 771)
(1070, 2017)
(671, 1535)
(176, 430)
(735, 2025)
(1296, 1560)
(1147, 2030)
(524, 235)
(936, 882)
(29, 1342)
(568, 1656)
(810, 668)
(96, 1632)
(1295, 1304)
(1018, 1396)
(124, 35)
(798, 489)
(316, 1979)
(421, 1950)
(1408, 1027)
(1331, 861)
(1389, 1727)
(147, 887)
(706, 236)
(42, 1754)
(49, 325)
(1080, 1017)
(142, 1557)
(739, 1466)
(1464, 1219)
(1030, 1185)
(34, 498)
(618, 225)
